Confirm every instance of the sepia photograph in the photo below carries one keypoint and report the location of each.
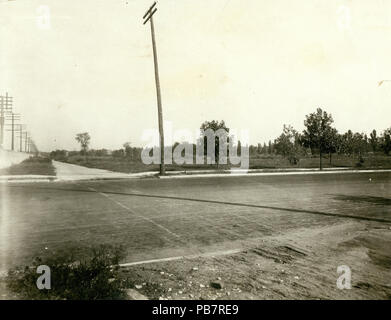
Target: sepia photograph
(217, 151)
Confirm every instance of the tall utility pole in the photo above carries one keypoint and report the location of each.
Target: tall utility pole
(13, 117)
(5, 106)
(28, 145)
(20, 138)
(32, 147)
(148, 17)
(25, 141)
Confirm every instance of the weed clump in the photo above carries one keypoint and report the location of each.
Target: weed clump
(92, 277)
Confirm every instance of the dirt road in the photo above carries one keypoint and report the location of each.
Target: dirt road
(72, 172)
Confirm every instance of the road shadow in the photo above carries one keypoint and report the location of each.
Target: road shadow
(364, 199)
(157, 196)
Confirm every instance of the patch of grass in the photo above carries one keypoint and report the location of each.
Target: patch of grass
(369, 161)
(131, 166)
(31, 166)
(126, 165)
(91, 277)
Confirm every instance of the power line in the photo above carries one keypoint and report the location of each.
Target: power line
(14, 117)
(25, 141)
(17, 129)
(5, 106)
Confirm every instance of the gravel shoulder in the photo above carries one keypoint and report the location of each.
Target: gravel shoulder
(301, 264)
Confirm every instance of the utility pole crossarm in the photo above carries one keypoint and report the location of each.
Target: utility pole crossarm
(149, 10)
(150, 16)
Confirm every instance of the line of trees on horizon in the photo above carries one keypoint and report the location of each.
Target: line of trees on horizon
(318, 138)
(321, 138)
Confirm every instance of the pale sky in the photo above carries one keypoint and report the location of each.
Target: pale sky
(256, 64)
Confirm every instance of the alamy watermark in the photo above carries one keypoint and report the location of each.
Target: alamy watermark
(210, 147)
(43, 17)
(44, 280)
(344, 281)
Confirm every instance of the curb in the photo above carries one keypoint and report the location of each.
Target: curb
(44, 178)
(276, 173)
(26, 178)
(180, 175)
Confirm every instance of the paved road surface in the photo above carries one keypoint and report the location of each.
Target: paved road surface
(330, 220)
(156, 218)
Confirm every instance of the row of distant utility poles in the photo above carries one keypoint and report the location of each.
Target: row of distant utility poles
(9, 122)
(8, 115)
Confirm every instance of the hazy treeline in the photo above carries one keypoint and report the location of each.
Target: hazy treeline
(319, 138)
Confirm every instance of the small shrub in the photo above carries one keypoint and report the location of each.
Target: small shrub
(360, 162)
(33, 160)
(31, 165)
(293, 159)
(90, 278)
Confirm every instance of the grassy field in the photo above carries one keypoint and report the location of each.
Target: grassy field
(130, 166)
(370, 161)
(117, 164)
(291, 232)
(31, 166)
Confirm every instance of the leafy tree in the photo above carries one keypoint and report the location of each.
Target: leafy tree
(359, 145)
(287, 144)
(120, 153)
(253, 150)
(347, 143)
(373, 140)
(264, 148)
(317, 132)
(60, 155)
(259, 148)
(84, 140)
(101, 152)
(215, 126)
(386, 141)
(239, 147)
(270, 148)
(127, 149)
(333, 142)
